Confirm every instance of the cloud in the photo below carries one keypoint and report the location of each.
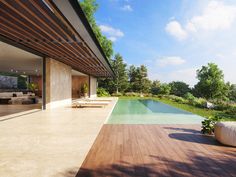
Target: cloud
(127, 8)
(112, 38)
(170, 60)
(175, 29)
(112, 33)
(215, 16)
(187, 75)
(227, 62)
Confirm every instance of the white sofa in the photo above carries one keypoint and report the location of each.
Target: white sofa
(6, 95)
(16, 97)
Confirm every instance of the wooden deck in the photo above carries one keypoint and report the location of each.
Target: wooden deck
(157, 150)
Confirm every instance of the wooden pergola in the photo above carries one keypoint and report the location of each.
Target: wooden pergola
(41, 27)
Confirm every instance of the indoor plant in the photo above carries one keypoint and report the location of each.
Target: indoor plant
(84, 90)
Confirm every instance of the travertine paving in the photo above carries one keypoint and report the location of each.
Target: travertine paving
(49, 143)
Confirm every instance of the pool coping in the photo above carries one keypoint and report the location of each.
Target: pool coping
(109, 114)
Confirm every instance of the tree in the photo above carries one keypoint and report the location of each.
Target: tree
(89, 8)
(132, 77)
(211, 82)
(138, 79)
(179, 88)
(165, 89)
(155, 88)
(232, 92)
(144, 84)
(132, 73)
(120, 81)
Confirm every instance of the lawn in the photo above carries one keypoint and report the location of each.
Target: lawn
(199, 111)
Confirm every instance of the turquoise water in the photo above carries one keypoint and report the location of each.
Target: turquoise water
(138, 111)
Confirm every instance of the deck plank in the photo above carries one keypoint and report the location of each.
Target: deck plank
(157, 150)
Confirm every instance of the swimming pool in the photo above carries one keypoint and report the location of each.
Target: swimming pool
(147, 111)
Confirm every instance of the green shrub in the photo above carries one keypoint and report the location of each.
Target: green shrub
(170, 97)
(208, 125)
(189, 96)
(132, 94)
(117, 94)
(221, 106)
(231, 110)
(180, 100)
(155, 96)
(192, 100)
(161, 96)
(147, 95)
(201, 102)
(176, 98)
(101, 92)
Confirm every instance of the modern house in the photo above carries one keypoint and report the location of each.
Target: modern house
(51, 44)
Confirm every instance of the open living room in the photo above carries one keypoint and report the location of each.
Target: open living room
(20, 81)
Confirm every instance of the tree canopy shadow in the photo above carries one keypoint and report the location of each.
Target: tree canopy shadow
(199, 165)
(195, 138)
(187, 130)
(192, 135)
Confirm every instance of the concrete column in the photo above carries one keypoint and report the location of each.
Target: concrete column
(93, 87)
(58, 84)
(44, 84)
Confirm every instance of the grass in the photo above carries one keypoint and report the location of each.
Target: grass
(195, 110)
(199, 111)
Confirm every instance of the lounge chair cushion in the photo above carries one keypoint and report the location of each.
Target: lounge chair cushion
(225, 132)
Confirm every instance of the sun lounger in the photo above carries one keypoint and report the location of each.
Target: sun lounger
(98, 99)
(78, 104)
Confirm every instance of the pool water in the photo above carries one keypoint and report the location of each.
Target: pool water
(147, 111)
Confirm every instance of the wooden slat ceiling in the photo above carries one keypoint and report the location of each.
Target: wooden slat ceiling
(39, 25)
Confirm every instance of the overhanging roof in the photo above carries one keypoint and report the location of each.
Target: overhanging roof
(56, 29)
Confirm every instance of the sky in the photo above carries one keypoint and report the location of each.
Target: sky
(173, 38)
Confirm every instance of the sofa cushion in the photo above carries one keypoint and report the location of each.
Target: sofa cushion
(19, 94)
(6, 94)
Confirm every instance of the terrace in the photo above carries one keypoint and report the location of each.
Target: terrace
(48, 143)
(79, 142)
(50, 42)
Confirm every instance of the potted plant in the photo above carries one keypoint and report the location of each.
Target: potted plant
(33, 87)
(208, 124)
(84, 90)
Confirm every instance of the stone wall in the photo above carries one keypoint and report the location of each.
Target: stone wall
(8, 82)
(58, 84)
